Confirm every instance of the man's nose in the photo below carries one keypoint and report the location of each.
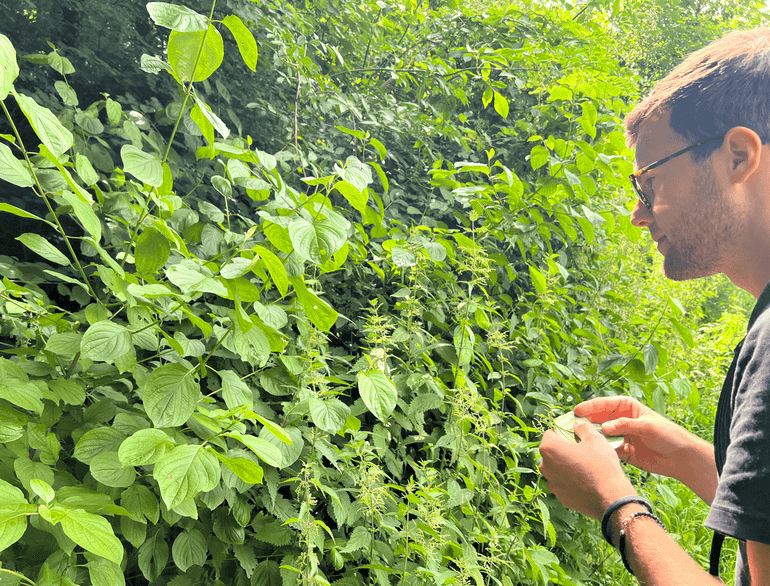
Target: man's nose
(641, 216)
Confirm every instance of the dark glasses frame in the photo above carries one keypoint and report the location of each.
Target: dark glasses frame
(634, 177)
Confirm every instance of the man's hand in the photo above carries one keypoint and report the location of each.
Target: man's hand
(655, 444)
(587, 476)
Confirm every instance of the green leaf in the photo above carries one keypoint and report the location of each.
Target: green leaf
(183, 50)
(14, 510)
(42, 489)
(108, 469)
(247, 44)
(6, 207)
(105, 341)
(261, 447)
(85, 170)
(275, 267)
(378, 393)
(69, 391)
(357, 198)
(47, 126)
(328, 414)
(153, 556)
(538, 280)
(318, 239)
(235, 392)
(501, 104)
(145, 446)
(13, 170)
(104, 572)
(151, 251)
(9, 68)
(216, 123)
(26, 395)
(176, 17)
(189, 549)
(66, 93)
(141, 165)
(320, 313)
(184, 472)
(290, 453)
(650, 358)
(539, 156)
(85, 213)
(170, 395)
(191, 279)
(41, 246)
(141, 503)
(91, 532)
(244, 468)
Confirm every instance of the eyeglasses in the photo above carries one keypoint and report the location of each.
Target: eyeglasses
(634, 177)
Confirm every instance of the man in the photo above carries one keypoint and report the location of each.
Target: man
(703, 180)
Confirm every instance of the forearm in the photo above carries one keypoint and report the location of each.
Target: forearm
(698, 470)
(655, 558)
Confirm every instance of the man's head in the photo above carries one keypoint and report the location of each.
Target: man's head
(724, 85)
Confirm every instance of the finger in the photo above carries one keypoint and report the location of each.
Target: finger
(626, 426)
(585, 430)
(603, 409)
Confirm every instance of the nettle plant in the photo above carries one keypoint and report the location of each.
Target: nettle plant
(218, 370)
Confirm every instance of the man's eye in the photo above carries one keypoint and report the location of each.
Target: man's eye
(648, 189)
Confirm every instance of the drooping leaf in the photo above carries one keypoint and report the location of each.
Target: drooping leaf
(41, 246)
(195, 55)
(151, 252)
(320, 313)
(105, 340)
(142, 165)
(189, 549)
(378, 393)
(91, 532)
(176, 17)
(9, 68)
(47, 126)
(13, 170)
(146, 446)
(247, 44)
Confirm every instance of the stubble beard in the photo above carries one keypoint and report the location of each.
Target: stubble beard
(704, 233)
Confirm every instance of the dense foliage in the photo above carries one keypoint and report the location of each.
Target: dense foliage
(300, 283)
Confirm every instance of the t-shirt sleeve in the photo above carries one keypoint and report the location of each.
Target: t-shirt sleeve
(741, 507)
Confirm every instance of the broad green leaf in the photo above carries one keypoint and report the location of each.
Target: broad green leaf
(142, 165)
(650, 358)
(213, 119)
(146, 446)
(244, 468)
(501, 104)
(85, 213)
(151, 251)
(189, 549)
(64, 343)
(247, 44)
(176, 17)
(539, 156)
(60, 63)
(41, 246)
(97, 441)
(69, 391)
(184, 472)
(26, 395)
(66, 93)
(153, 556)
(91, 532)
(318, 239)
(190, 279)
(275, 267)
(328, 414)
(9, 69)
(290, 453)
(105, 341)
(184, 48)
(13, 170)
(235, 392)
(47, 127)
(378, 393)
(108, 469)
(104, 572)
(140, 502)
(320, 313)
(261, 447)
(42, 489)
(170, 395)
(357, 198)
(14, 510)
(563, 426)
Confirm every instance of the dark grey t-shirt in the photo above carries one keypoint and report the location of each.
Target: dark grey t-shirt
(741, 507)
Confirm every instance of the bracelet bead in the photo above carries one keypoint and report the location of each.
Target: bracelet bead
(622, 541)
(614, 507)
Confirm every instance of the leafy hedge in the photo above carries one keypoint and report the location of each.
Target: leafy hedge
(327, 363)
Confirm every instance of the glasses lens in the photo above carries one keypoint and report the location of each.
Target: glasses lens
(639, 192)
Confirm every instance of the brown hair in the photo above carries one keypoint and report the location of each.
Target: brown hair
(723, 85)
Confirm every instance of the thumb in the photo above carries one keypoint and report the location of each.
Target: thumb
(584, 429)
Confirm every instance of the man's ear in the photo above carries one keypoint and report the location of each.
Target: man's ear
(744, 149)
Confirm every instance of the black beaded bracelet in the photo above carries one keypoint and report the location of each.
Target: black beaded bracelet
(614, 507)
(622, 540)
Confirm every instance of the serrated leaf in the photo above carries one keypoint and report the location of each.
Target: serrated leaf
(189, 549)
(184, 472)
(141, 165)
(184, 48)
(13, 170)
(105, 340)
(41, 246)
(170, 395)
(378, 393)
(47, 126)
(151, 251)
(145, 446)
(247, 44)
